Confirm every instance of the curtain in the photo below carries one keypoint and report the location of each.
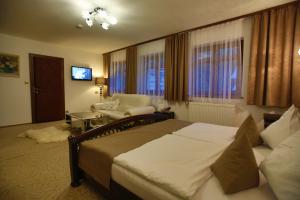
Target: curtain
(131, 64)
(176, 67)
(215, 63)
(151, 70)
(117, 72)
(272, 62)
(296, 61)
(106, 64)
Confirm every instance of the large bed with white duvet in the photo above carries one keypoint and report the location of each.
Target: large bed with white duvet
(189, 176)
(174, 165)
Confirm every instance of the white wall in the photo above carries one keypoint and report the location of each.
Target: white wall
(15, 102)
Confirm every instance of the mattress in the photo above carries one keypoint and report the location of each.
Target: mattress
(210, 190)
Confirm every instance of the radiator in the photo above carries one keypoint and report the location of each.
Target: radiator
(222, 114)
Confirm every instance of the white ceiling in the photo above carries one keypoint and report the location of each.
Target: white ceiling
(54, 21)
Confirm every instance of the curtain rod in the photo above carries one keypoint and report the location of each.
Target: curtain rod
(207, 25)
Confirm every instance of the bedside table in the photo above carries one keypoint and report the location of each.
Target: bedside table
(170, 114)
(270, 118)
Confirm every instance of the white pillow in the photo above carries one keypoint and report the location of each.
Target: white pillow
(108, 105)
(282, 168)
(288, 124)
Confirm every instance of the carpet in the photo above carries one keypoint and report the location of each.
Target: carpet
(38, 171)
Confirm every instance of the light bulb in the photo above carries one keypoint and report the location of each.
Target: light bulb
(299, 51)
(105, 25)
(89, 22)
(112, 20)
(103, 13)
(86, 14)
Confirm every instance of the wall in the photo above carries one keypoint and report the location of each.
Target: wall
(15, 102)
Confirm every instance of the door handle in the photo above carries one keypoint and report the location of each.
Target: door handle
(36, 90)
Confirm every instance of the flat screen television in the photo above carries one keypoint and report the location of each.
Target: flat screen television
(81, 73)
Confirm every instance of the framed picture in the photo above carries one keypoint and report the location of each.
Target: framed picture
(9, 65)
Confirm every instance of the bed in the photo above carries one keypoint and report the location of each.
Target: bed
(122, 175)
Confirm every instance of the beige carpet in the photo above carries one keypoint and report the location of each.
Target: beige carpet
(37, 171)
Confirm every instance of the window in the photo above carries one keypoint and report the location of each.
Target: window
(150, 69)
(216, 70)
(151, 74)
(117, 72)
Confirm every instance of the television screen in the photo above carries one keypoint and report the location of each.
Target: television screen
(81, 73)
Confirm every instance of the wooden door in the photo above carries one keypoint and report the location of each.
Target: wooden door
(47, 88)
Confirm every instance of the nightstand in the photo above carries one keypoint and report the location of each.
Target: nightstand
(170, 114)
(270, 118)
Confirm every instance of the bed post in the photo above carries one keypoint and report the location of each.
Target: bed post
(73, 156)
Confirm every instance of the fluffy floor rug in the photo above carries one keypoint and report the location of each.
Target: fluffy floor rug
(46, 135)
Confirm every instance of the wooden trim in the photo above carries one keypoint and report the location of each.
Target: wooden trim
(207, 25)
(7, 126)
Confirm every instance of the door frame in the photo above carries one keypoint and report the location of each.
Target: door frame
(32, 82)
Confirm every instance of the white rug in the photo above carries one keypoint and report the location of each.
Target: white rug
(46, 135)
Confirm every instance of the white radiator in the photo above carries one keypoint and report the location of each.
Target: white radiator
(222, 114)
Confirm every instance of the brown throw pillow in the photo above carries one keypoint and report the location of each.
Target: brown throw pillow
(236, 168)
(250, 129)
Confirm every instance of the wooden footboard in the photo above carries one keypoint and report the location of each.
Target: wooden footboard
(117, 126)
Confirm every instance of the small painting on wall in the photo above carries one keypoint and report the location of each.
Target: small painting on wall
(9, 65)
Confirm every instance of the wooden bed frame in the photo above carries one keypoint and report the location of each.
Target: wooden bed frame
(116, 191)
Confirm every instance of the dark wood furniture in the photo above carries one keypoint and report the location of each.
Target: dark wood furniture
(270, 118)
(169, 114)
(117, 126)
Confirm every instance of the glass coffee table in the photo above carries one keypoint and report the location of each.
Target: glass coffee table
(86, 119)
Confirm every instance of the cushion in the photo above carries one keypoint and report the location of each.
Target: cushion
(133, 100)
(288, 124)
(282, 168)
(108, 105)
(250, 129)
(236, 168)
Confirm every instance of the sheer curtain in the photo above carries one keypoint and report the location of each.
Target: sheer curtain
(117, 72)
(215, 63)
(151, 71)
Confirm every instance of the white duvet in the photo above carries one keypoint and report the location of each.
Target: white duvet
(177, 164)
(208, 132)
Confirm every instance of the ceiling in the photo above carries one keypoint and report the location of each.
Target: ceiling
(54, 21)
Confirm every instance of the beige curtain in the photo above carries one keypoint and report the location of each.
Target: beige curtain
(176, 67)
(106, 63)
(271, 59)
(131, 70)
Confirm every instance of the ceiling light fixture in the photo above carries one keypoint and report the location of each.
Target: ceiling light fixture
(101, 16)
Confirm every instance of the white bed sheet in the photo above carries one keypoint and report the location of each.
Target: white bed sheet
(210, 190)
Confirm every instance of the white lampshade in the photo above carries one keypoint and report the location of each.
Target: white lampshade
(299, 51)
(103, 13)
(112, 20)
(89, 22)
(105, 25)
